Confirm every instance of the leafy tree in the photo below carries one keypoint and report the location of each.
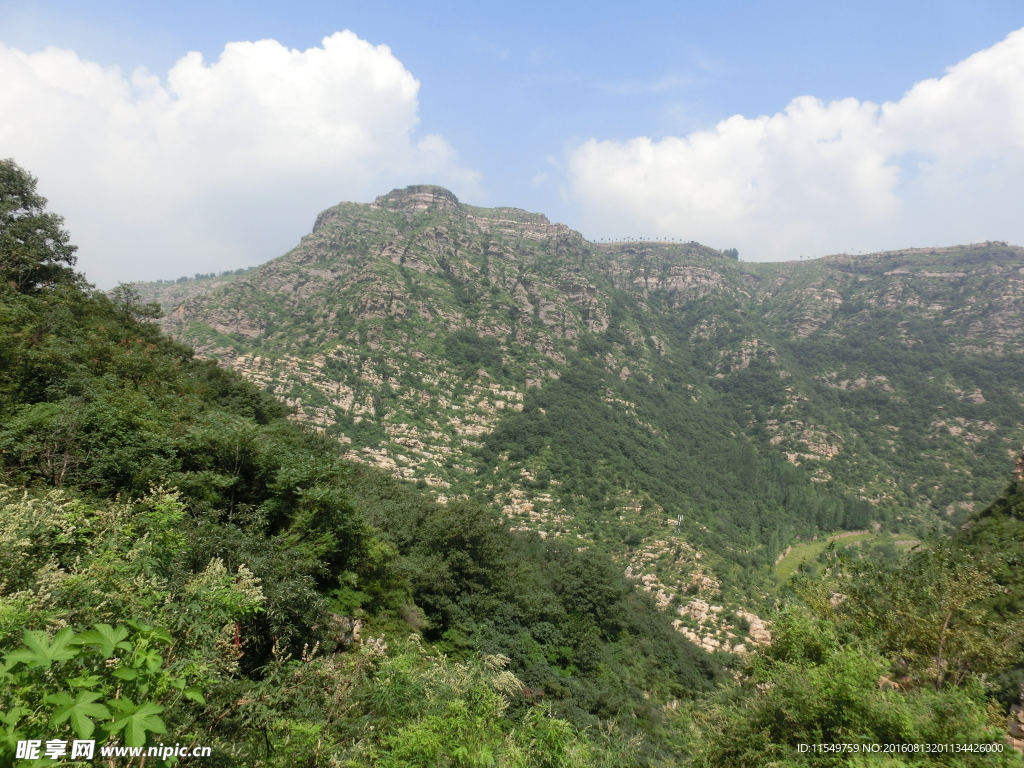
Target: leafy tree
(928, 612)
(812, 687)
(469, 352)
(996, 534)
(34, 248)
(127, 297)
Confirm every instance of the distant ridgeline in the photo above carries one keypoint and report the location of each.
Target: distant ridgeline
(690, 412)
(203, 276)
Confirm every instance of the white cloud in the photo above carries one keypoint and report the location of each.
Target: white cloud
(222, 164)
(943, 165)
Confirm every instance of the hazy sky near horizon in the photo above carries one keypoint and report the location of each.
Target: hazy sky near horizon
(197, 137)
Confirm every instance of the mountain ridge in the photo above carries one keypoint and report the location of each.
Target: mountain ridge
(422, 333)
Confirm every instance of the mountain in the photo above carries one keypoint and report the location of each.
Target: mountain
(177, 556)
(690, 413)
(182, 553)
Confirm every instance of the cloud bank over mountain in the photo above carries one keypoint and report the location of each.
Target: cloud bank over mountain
(944, 164)
(219, 164)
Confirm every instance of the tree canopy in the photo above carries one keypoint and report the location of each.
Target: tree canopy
(35, 249)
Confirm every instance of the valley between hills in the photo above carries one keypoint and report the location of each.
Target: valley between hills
(695, 416)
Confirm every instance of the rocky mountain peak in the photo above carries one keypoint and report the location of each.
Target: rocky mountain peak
(417, 198)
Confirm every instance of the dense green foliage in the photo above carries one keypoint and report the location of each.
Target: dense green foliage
(682, 456)
(182, 562)
(177, 557)
(574, 628)
(923, 650)
(34, 250)
(106, 674)
(997, 534)
(818, 685)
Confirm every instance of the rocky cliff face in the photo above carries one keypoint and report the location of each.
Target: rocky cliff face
(415, 329)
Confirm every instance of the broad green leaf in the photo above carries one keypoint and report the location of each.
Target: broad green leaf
(84, 681)
(9, 732)
(162, 635)
(124, 673)
(106, 637)
(41, 653)
(12, 716)
(135, 721)
(153, 661)
(194, 694)
(80, 710)
(155, 633)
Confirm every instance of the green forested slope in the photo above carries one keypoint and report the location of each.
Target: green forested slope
(917, 651)
(180, 562)
(689, 413)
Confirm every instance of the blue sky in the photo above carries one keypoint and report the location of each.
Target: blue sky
(516, 92)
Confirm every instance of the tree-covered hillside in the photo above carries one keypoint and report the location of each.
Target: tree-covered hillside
(186, 559)
(180, 562)
(690, 414)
